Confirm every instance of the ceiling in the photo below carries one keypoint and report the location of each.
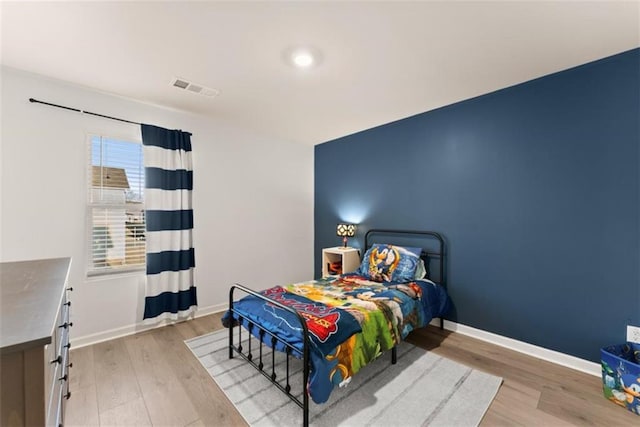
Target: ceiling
(381, 61)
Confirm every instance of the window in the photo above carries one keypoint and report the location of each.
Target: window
(116, 206)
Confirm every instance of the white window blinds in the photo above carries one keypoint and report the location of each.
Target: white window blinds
(116, 206)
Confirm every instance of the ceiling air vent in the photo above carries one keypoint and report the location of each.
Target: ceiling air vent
(194, 87)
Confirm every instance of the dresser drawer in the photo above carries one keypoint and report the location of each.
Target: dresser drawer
(57, 362)
(50, 369)
(54, 351)
(55, 399)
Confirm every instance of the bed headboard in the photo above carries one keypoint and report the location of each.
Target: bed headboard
(432, 244)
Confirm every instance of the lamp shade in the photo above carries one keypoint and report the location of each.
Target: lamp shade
(346, 230)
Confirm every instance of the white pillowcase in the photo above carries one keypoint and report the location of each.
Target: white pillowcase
(421, 270)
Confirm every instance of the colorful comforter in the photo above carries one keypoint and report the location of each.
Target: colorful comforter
(351, 321)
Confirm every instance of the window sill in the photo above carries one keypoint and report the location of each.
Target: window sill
(95, 276)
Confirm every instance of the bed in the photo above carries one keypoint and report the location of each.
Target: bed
(338, 325)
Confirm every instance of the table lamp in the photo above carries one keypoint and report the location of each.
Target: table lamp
(345, 231)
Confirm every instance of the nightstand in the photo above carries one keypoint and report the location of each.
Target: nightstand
(349, 259)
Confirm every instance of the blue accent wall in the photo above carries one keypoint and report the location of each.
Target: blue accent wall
(536, 189)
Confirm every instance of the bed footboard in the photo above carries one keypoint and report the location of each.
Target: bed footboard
(263, 334)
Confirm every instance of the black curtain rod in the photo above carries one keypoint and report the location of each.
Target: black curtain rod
(83, 111)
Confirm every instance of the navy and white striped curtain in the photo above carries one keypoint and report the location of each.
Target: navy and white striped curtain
(170, 291)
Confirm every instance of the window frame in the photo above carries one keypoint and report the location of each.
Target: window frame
(91, 271)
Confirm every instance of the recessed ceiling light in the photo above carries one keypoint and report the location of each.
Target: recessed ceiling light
(302, 57)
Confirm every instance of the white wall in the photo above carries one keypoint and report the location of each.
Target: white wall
(253, 198)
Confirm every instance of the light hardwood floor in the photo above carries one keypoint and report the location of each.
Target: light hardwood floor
(153, 379)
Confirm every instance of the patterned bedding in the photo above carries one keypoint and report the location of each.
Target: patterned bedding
(351, 321)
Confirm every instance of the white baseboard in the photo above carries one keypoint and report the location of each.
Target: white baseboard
(123, 331)
(512, 344)
(553, 356)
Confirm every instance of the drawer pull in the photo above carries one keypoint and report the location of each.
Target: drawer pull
(68, 345)
(63, 378)
(68, 395)
(68, 303)
(70, 288)
(66, 324)
(70, 365)
(57, 360)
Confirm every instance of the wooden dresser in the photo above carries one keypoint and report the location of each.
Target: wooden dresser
(34, 341)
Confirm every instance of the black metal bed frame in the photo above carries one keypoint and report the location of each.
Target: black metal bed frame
(283, 384)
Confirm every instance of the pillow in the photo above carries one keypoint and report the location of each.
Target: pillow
(389, 263)
(421, 270)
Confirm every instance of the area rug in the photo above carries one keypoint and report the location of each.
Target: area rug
(420, 389)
